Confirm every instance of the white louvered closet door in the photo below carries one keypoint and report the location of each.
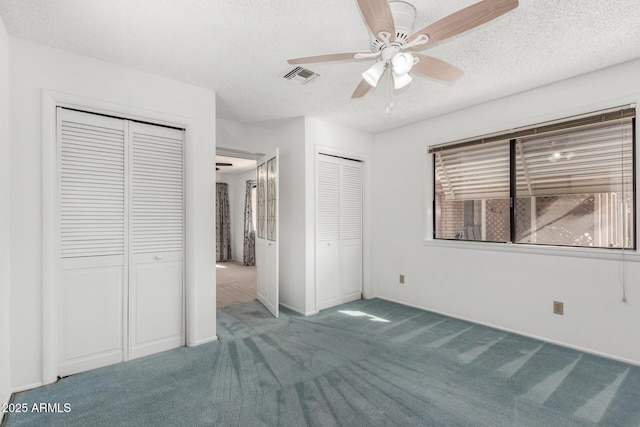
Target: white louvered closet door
(338, 230)
(156, 229)
(328, 231)
(351, 229)
(120, 227)
(92, 234)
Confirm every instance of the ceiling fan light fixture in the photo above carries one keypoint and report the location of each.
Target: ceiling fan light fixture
(402, 63)
(373, 74)
(390, 24)
(401, 80)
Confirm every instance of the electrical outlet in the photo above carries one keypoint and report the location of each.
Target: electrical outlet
(402, 279)
(558, 307)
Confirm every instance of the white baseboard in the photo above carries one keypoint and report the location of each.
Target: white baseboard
(308, 313)
(524, 334)
(204, 341)
(27, 387)
(5, 401)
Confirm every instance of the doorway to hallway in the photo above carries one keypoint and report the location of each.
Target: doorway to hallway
(236, 283)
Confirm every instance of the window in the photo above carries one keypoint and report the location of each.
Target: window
(569, 183)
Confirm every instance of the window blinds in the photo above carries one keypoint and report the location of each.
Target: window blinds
(593, 159)
(590, 155)
(478, 172)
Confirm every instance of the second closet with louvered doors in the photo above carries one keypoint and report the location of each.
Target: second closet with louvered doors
(338, 230)
(120, 289)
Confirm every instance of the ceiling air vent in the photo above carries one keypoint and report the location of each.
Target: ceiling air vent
(300, 75)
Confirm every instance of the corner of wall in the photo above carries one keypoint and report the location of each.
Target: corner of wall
(309, 213)
(5, 254)
(290, 137)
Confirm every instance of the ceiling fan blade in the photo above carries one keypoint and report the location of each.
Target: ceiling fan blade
(377, 14)
(362, 89)
(464, 20)
(323, 58)
(436, 68)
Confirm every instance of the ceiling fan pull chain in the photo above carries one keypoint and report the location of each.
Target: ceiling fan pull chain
(391, 92)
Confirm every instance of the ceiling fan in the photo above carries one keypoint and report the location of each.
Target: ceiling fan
(222, 164)
(390, 24)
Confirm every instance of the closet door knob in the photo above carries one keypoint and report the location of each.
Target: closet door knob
(158, 257)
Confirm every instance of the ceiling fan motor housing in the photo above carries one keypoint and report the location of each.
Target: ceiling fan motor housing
(404, 17)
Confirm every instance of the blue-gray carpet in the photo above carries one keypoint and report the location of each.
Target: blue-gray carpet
(366, 363)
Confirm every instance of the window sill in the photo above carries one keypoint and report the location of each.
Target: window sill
(592, 253)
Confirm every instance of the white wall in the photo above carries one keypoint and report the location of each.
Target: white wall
(5, 342)
(511, 290)
(34, 68)
(297, 141)
(290, 139)
(222, 177)
(331, 138)
(238, 136)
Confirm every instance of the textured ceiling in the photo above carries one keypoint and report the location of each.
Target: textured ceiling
(239, 49)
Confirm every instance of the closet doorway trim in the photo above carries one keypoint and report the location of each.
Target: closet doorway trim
(365, 158)
(50, 241)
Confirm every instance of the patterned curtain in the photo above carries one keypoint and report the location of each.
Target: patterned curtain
(249, 232)
(223, 223)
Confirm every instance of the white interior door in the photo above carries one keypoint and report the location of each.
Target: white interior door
(338, 230)
(156, 228)
(328, 231)
(120, 236)
(351, 229)
(267, 239)
(91, 228)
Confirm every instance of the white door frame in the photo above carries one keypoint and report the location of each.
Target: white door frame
(365, 158)
(50, 240)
